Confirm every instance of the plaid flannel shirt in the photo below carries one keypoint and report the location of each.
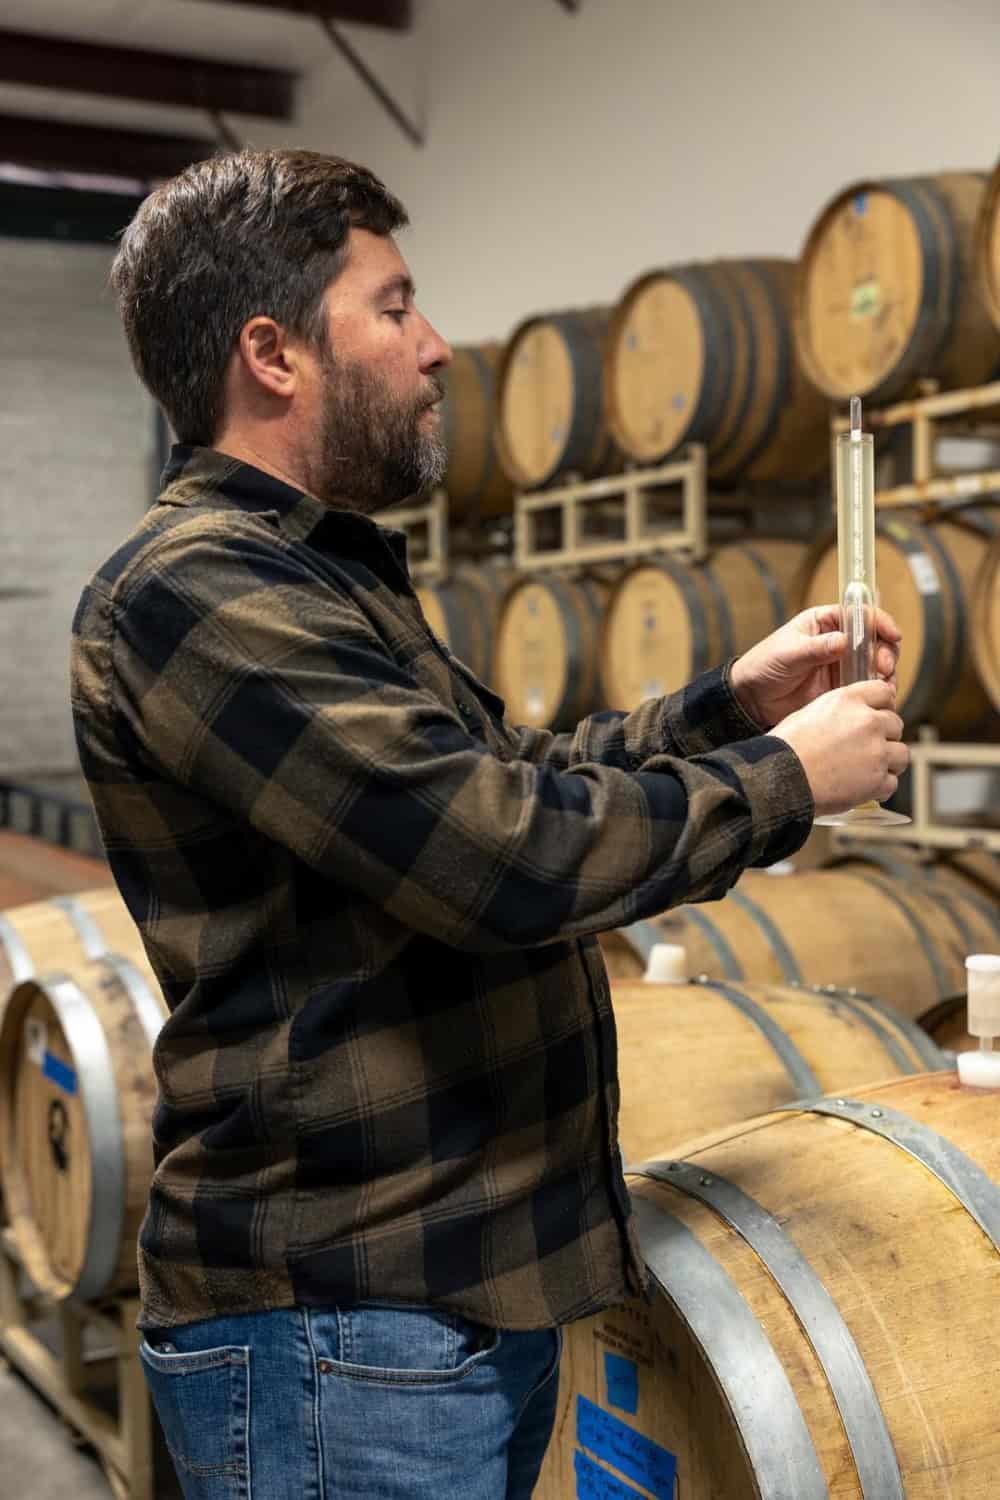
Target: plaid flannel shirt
(389, 1069)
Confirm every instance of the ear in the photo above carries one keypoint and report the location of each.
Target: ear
(268, 358)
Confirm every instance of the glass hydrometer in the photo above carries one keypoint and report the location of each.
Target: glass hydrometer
(855, 482)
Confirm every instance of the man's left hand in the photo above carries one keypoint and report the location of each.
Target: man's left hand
(797, 663)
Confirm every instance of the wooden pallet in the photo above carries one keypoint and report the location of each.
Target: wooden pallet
(932, 415)
(926, 758)
(633, 495)
(69, 1379)
(426, 528)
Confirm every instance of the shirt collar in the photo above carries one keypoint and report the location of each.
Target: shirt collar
(205, 477)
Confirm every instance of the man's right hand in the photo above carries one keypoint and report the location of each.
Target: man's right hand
(849, 743)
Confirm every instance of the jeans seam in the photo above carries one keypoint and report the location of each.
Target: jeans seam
(246, 1430)
(316, 1384)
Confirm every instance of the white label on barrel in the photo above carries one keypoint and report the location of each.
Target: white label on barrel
(534, 702)
(36, 1041)
(924, 574)
(651, 689)
(866, 301)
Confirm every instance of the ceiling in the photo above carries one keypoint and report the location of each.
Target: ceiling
(248, 33)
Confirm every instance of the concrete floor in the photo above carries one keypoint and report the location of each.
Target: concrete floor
(38, 1458)
(41, 1458)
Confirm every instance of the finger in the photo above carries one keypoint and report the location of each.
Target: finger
(899, 758)
(889, 788)
(877, 693)
(887, 627)
(886, 661)
(890, 724)
(819, 619)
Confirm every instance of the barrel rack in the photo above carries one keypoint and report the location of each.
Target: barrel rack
(927, 756)
(69, 1378)
(426, 526)
(639, 533)
(932, 415)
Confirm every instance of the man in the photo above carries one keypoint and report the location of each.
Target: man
(386, 1157)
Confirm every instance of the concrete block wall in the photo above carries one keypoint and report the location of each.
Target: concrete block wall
(76, 466)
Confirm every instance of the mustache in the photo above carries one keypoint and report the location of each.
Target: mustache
(438, 387)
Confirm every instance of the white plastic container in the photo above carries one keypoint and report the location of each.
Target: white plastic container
(982, 1069)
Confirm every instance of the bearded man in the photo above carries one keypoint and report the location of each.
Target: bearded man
(385, 1140)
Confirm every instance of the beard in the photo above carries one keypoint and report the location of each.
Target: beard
(375, 447)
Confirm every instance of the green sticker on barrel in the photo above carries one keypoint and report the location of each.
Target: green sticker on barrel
(866, 301)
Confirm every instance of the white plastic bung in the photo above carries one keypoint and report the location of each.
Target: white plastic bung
(667, 964)
(983, 985)
(982, 1069)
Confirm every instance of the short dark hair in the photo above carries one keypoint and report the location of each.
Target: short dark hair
(240, 235)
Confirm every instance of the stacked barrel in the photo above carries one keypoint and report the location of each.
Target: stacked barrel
(783, 1246)
(80, 1008)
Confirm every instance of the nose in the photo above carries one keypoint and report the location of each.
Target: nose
(435, 352)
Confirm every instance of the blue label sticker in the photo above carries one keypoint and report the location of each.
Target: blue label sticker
(59, 1072)
(618, 1444)
(595, 1483)
(860, 203)
(623, 1383)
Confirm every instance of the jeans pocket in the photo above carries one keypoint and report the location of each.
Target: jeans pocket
(202, 1399)
(400, 1345)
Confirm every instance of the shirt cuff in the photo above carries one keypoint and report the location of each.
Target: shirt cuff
(707, 714)
(778, 796)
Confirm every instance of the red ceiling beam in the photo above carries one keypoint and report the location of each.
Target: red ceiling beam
(62, 146)
(154, 77)
(395, 15)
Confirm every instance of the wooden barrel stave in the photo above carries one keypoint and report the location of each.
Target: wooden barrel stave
(693, 1057)
(985, 613)
(475, 483)
(927, 577)
(666, 621)
(59, 932)
(705, 353)
(988, 246)
(831, 1341)
(546, 650)
(77, 1092)
(550, 401)
(890, 927)
(887, 291)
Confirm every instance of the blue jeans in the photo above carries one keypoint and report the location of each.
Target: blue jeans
(371, 1402)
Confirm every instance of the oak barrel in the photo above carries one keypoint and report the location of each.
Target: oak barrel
(705, 353)
(926, 579)
(77, 1092)
(59, 932)
(692, 1057)
(985, 610)
(550, 401)
(666, 620)
(877, 922)
(988, 245)
(545, 661)
(463, 612)
(888, 291)
(476, 484)
(823, 1285)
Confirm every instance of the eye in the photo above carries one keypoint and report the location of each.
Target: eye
(399, 313)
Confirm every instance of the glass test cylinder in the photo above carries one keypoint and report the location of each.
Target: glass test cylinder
(855, 453)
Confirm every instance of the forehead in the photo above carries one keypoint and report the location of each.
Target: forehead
(371, 260)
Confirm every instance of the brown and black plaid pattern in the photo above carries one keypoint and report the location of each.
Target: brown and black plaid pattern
(390, 1068)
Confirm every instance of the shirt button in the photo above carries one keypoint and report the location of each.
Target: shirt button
(466, 710)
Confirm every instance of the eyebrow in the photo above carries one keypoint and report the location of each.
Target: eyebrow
(398, 283)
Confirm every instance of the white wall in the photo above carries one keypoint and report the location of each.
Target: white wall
(76, 441)
(566, 153)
